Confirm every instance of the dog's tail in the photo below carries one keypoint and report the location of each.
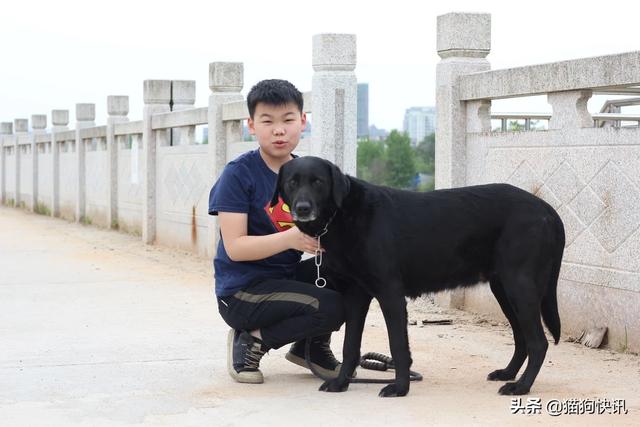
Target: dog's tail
(549, 305)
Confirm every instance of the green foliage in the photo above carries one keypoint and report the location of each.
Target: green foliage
(395, 163)
(371, 162)
(426, 155)
(401, 167)
(42, 209)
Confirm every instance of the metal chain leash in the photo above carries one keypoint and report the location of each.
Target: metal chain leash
(321, 282)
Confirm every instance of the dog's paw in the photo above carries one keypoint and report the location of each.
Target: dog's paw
(334, 386)
(393, 390)
(501, 375)
(513, 389)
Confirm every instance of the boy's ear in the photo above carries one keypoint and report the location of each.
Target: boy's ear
(251, 126)
(276, 192)
(341, 185)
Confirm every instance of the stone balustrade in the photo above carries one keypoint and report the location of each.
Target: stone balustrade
(586, 172)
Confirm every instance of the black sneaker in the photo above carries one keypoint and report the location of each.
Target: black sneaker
(321, 356)
(243, 357)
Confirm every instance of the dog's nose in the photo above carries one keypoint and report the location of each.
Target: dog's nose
(303, 208)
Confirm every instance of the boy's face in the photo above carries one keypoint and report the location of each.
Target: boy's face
(278, 129)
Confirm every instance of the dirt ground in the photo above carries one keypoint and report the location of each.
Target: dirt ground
(99, 329)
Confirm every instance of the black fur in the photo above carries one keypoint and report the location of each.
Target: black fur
(390, 244)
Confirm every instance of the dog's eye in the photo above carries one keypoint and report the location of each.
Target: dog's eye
(317, 181)
(292, 183)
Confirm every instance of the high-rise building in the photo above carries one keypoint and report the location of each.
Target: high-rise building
(363, 110)
(419, 122)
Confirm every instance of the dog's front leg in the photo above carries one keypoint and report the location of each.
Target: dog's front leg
(394, 309)
(356, 302)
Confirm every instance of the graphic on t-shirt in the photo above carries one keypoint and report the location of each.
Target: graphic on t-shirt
(280, 215)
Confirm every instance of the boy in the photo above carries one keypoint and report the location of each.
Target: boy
(264, 292)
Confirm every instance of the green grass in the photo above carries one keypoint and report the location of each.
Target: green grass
(42, 209)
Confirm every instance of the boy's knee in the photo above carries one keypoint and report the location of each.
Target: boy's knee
(333, 309)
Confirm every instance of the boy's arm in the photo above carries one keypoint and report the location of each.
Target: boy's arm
(241, 247)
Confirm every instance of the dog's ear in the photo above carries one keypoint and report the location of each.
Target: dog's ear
(341, 185)
(276, 192)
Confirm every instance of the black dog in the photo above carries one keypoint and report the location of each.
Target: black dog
(391, 244)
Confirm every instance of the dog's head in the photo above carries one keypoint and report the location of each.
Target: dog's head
(312, 188)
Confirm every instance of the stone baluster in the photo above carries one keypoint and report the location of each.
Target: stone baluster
(117, 110)
(59, 121)
(157, 98)
(225, 82)
(85, 118)
(21, 127)
(6, 129)
(183, 97)
(38, 124)
(463, 42)
(570, 109)
(334, 99)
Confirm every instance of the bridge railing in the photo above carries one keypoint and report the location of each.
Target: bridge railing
(586, 172)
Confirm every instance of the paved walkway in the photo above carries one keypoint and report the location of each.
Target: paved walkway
(98, 329)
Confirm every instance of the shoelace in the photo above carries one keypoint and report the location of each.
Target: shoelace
(324, 348)
(253, 355)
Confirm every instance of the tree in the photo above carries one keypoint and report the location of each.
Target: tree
(401, 167)
(426, 155)
(371, 161)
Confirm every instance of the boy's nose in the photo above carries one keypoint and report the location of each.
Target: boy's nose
(278, 131)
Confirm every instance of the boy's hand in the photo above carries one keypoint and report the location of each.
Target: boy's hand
(300, 241)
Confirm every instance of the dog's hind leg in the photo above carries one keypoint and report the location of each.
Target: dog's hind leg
(394, 309)
(520, 351)
(522, 293)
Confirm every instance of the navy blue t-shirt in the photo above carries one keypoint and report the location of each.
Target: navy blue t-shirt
(246, 185)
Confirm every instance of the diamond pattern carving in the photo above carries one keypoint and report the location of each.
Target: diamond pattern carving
(183, 182)
(604, 205)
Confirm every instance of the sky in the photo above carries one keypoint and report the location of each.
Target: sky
(54, 54)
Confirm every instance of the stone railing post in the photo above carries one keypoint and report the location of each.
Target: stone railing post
(21, 127)
(334, 98)
(183, 97)
(85, 118)
(6, 128)
(225, 82)
(59, 121)
(157, 97)
(570, 109)
(117, 110)
(38, 125)
(463, 42)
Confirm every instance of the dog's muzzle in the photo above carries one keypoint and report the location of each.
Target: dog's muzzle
(303, 212)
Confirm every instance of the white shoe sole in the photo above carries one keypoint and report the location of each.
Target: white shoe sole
(252, 377)
(323, 371)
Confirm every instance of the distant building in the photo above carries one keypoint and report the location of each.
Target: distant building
(419, 122)
(363, 110)
(376, 134)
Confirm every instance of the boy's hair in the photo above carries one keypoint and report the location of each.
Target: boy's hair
(273, 92)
